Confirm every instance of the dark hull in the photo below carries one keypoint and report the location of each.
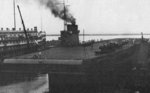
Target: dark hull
(8, 78)
(123, 71)
(17, 50)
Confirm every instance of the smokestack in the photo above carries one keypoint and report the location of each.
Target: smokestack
(58, 10)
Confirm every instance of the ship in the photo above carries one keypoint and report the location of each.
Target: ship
(15, 42)
(80, 68)
(70, 36)
(111, 66)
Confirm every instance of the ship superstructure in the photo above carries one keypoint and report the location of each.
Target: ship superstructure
(70, 36)
(13, 41)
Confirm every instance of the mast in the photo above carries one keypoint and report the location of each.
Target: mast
(41, 8)
(142, 35)
(83, 36)
(41, 22)
(65, 22)
(14, 4)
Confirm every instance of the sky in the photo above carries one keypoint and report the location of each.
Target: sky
(94, 16)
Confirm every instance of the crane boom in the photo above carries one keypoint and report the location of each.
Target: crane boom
(24, 28)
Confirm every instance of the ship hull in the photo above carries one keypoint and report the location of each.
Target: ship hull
(123, 71)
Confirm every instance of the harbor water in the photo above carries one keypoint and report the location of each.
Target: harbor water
(39, 84)
(97, 38)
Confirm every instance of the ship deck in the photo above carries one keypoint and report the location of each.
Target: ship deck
(63, 53)
(68, 53)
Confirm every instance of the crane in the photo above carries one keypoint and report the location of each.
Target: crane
(24, 28)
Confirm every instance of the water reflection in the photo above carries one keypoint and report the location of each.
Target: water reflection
(39, 84)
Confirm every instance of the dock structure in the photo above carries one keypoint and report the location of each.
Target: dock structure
(123, 71)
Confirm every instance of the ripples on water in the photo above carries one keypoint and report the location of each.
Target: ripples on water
(39, 84)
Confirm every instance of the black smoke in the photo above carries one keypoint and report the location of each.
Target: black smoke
(58, 9)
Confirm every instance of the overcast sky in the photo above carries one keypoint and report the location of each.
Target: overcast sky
(95, 16)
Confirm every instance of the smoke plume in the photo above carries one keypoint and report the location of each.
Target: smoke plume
(58, 10)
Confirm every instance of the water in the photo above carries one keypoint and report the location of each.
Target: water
(39, 84)
(86, 38)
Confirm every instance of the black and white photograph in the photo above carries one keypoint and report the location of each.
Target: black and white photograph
(74, 46)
